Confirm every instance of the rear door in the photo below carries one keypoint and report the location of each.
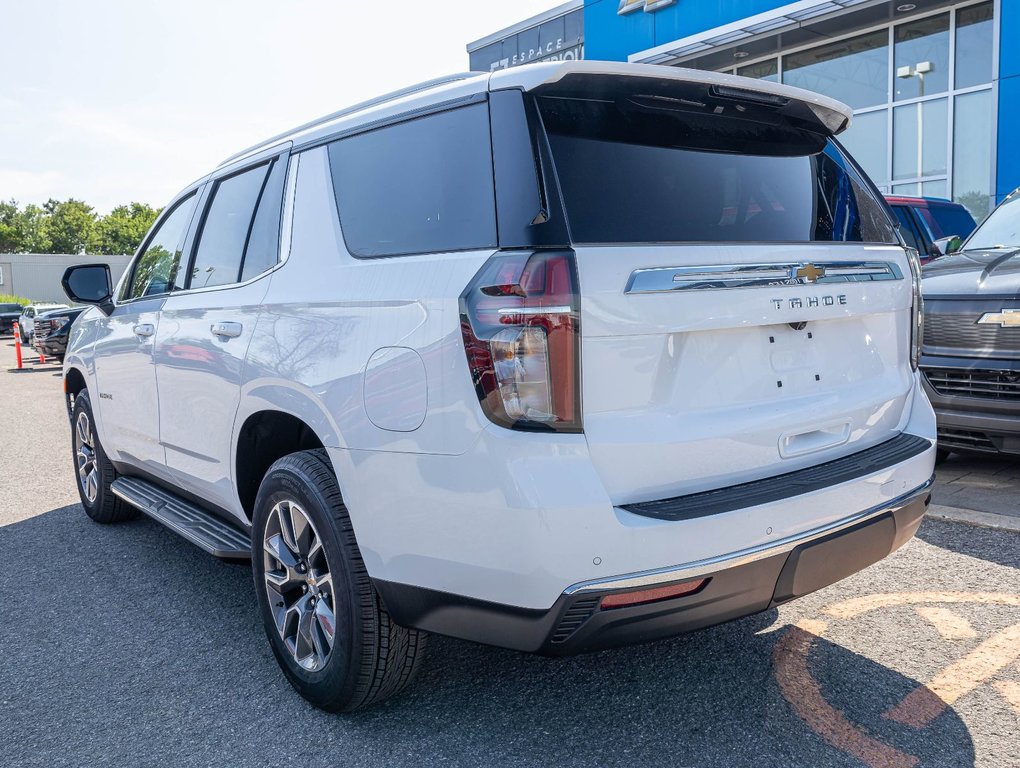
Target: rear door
(125, 375)
(204, 330)
(745, 301)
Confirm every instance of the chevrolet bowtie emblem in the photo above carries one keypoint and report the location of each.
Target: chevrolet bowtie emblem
(1004, 318)
(809, 272)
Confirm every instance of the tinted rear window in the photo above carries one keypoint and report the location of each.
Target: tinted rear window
(951, 220)
(420, 186)
(630, 173)
(10, 308)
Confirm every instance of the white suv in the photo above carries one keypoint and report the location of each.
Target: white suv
(557, 358)
(26, 323)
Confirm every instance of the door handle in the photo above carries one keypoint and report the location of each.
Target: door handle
(226, 330)
(144, 330)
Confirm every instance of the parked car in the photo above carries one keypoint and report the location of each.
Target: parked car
(971, 357)
(26, 323)
(931, 225)
(51, 331)
(9, 314)
(559, 358)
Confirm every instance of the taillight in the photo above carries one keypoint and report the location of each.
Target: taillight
(520, 318)
(916, 309)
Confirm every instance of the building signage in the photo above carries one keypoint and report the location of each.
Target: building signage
(629, 6)
(552, 52)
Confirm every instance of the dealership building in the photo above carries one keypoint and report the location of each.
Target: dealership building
(934, 85)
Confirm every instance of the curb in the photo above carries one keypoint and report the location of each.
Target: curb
(973, 517)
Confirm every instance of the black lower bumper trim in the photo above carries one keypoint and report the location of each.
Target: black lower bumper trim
(576, 624)
(779, 487)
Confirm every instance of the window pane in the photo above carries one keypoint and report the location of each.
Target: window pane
(763, 70)
(974, 45)
(156, 270)
(920, 139)
(225, 231)
(264, 242)
(417, 187)
(909, 190)
(939, 188)
(972, 152)
(922, 57)
(867, 140)
(624, 179)
(854, 71)
(907, 228)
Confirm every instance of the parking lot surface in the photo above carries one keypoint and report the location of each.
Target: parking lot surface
(125, 645)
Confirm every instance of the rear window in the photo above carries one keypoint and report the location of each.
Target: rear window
(632, 171)
(10, 308)
(420, 186)
(950, 220)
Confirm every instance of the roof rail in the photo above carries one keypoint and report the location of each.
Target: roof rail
(434, 83)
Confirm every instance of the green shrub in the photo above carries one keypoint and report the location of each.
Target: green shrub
(6, 298)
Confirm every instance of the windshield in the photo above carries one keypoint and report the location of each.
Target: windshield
(10, 308)
(631, 171)
(1000, 230)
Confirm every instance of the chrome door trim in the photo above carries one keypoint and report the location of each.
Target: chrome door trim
(725, 276)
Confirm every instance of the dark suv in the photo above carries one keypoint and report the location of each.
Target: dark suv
(930, 223)
(52, 330)
(971, 348)
(9, 314)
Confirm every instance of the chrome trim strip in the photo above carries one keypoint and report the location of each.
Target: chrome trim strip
(743, 556)
(562, 310)
(724, 276)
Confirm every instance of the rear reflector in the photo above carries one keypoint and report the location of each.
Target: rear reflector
(624, 599)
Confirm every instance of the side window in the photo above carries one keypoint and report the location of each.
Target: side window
(907, 229)
(156, 269)
(263, 249)
(420, 186)
(228, 221)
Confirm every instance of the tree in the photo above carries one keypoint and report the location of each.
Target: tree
(122, 229)
(10, 228)
(33, 223)
(70, 225)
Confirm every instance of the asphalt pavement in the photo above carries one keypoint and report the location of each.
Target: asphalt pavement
(124, 645)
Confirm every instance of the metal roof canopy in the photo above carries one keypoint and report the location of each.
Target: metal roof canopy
(790, 26)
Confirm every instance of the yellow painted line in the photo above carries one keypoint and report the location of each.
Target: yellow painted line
(1010, 691)
(922, 705)
(952, 626)
(858, 605)
(804, 694)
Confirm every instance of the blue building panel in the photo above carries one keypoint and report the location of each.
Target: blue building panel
(689, 17)
(1007, 177)
(610, 37)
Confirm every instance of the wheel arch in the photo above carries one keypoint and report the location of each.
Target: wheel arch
(261, 439)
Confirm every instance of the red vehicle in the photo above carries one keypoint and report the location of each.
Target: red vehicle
(929, 224)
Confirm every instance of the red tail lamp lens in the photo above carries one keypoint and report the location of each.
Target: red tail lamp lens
(625, 599)
(520, 319)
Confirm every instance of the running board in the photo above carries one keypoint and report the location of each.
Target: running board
(201, 528)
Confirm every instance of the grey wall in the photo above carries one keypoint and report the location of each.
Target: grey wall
(37, 276)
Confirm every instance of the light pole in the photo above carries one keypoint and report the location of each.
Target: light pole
(919, 71)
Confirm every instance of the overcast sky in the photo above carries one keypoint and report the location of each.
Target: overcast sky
(111, 101)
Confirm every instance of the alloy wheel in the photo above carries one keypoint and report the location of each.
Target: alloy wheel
(299, 585)
(85, 453)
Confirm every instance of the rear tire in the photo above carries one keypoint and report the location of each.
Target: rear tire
(94, 471)
(310, 579)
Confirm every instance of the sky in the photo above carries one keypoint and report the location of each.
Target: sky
(113, 101)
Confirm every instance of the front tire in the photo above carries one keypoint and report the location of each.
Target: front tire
(93, 469)
(328, 629)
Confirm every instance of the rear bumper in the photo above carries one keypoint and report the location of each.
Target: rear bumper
(737, 584)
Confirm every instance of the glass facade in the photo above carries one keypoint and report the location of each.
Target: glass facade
(921, 91)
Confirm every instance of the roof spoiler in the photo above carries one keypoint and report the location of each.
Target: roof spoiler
(603, 79)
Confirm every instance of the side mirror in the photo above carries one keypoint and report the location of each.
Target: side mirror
(948, 245)
(89, 284)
